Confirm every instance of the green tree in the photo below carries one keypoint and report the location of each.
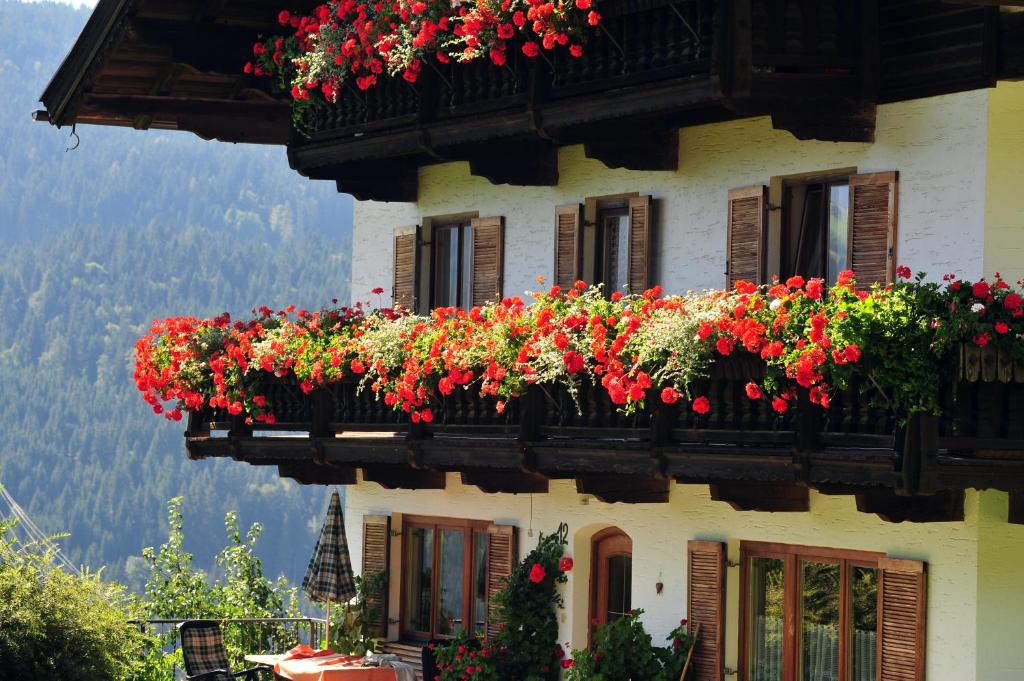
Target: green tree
(57, 625)
(177, 590)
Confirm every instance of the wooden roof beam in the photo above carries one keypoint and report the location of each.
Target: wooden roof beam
(206, 46)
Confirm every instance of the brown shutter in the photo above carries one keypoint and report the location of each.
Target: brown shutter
(639, 276)
(568, 244)
(902, 618)
(705, 606)
(746, 226)
(488, 260)
(501, 557)
(376, 553)
(872, 237)
(406, 251)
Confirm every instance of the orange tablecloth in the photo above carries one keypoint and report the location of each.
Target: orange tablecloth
(331, 668)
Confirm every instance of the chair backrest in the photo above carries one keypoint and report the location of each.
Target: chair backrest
(202, 646)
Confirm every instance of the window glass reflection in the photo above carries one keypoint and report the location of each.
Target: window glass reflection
(863, 623)
(819, 621)
(767, 606)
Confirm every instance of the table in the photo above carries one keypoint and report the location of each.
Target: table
(327, 668)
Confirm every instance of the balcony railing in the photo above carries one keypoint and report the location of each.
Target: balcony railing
(976, 440)
(638, 41)
(253, 635)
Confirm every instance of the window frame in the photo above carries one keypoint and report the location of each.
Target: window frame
(590, 248)
(461, 226)
(778, 210)
(827, 183)
(470, 528)
(791, 555)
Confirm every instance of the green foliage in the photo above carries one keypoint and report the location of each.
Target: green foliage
(175, 589)
(529, 612)
(526, 648)
(623, 651)
(351, 630)
(98, 242)
(56, 625)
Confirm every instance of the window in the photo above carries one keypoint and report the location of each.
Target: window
(444, 577)
(815, 225)
(449, 262)
(611, 576)
(452, 264)
(606, 240)
(611, 264)
(809, 614)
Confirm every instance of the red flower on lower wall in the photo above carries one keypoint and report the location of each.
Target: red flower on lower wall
(810, 341)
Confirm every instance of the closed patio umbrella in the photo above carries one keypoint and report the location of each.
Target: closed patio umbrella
(329, 576)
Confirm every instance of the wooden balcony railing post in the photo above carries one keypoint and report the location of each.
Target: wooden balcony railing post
(663, 419)
(531, 414)
(321, 413)
(807, 434)
(239, 428)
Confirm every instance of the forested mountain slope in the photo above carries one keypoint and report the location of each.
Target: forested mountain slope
(96, 243)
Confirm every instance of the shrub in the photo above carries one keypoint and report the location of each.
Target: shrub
(623, 651)
(57, 625)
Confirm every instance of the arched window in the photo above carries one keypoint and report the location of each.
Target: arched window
(611, 576)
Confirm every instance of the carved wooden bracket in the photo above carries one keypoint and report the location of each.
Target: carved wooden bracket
(510, 482)
(777, 497)
(940, 507)
(627, 489)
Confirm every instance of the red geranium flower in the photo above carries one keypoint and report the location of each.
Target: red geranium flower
(669, 395)
(903, 272)
(565, 565)
(702, 405)
(537, 573)
(753, 392)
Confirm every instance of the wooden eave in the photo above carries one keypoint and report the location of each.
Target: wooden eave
(173, 66)
(178, 66)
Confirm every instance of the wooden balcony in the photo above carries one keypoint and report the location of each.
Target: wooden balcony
(753, 458)
(651, 67)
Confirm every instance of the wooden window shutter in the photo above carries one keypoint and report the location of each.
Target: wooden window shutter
(705, 606)
(501, 558)
(747, 222)
(872, 233)
(639, 276)
(406, 256)
(488, 260)
(901, 620)
(568, 244)
(376, 554)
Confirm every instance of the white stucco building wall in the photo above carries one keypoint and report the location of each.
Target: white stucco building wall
(974, 595)
(938, 145)
(953, 217)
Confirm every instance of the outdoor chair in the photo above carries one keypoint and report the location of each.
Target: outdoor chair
(206, 658)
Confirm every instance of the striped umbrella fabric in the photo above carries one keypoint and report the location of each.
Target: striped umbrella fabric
(329, 575)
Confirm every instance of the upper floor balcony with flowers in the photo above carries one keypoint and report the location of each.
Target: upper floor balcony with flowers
(912, 389)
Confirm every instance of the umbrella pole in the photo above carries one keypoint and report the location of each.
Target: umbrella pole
(327, 641)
